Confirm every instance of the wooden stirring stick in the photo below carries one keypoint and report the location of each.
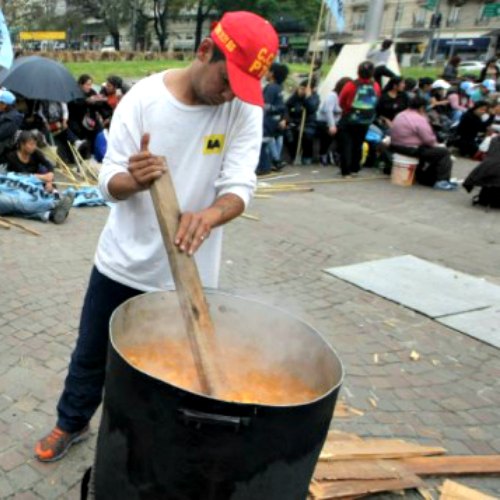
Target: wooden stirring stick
(199, 326)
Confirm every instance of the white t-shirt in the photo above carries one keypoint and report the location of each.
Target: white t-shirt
(210, 151)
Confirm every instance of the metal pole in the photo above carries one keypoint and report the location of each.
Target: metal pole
(430, 49)
(374, 22)
(397, 20)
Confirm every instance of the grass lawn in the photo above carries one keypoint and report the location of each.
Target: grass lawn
(135, 70)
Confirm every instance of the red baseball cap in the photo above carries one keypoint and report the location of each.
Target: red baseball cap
(250, 44)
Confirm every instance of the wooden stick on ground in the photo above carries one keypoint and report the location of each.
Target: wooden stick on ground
(4, 225)
(20, 226)
(250, 217)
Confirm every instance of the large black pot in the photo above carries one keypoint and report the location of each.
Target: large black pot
(157, 441)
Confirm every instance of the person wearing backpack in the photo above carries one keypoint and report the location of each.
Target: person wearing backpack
(358, 101)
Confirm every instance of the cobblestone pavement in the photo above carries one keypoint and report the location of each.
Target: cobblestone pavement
(450, 397)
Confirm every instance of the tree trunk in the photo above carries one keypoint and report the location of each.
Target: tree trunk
(116, 39)
(199, 25)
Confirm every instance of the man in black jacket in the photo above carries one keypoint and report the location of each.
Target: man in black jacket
(472, 124)
(10, 121)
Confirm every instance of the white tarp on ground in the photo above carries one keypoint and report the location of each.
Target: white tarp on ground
(347, 63)
(465, 303)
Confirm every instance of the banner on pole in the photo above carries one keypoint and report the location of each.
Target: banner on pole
(337, 9)
(6, 52)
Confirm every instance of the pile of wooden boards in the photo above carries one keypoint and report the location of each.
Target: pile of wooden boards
(353, 467)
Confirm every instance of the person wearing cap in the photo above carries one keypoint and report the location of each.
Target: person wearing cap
(482, 91)
(472, 127)
(202, 122)
(10, 122)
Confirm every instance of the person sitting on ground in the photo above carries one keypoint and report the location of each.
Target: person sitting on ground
(473, 124)
(486, 176)
(84, 119)
(392, 101)
(20, 196)
(26, 159)
(457, 109)
(304, 97)
(55, 115)
(10, 122)
(424, 88)
(113, 90)
(380, 59)
(411, 87)
(450, 73)
(412, 135)
(439, 110)
(328, 117)
(482, 91)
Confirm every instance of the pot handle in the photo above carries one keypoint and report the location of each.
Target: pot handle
(198, 418)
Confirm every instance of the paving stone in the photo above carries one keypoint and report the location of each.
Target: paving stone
(22, 478)
(5, 488)
(280, 261)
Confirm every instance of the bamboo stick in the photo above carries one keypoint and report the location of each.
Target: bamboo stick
(5, 225)
(20, 226)
(250, 217)
(353, 179)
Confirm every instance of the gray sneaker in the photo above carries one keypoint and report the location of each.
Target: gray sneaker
(60, 212)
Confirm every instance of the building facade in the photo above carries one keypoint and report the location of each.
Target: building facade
(460, 26)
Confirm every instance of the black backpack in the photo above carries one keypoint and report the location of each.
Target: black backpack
(488, 197)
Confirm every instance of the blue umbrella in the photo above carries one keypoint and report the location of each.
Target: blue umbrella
(40, 78)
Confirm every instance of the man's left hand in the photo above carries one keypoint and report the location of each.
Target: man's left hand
(194, 229)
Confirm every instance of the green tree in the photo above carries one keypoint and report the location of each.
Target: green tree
(307, 12)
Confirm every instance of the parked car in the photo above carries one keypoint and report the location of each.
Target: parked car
(474, 66)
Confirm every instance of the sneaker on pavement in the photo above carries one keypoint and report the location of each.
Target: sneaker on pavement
(56, 444)
(60, 212)
(445, 186)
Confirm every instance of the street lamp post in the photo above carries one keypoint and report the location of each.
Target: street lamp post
(374, 22)
(435, 23)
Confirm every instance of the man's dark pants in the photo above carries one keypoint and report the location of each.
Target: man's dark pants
(85, 380)
(435, 162)
(350, 140)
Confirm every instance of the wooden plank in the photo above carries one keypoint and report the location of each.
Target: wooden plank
(4, 225)
(199, 326)
(376, 448)
(453, 465)
(455, 491)
(359, 469)
(356, 488)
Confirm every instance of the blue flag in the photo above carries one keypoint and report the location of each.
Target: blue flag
(337, 9)
(6, 52)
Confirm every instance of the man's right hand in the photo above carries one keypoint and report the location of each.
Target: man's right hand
(144, 167)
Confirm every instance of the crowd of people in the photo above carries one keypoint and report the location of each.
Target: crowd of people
(361, 122)
(79, 127)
